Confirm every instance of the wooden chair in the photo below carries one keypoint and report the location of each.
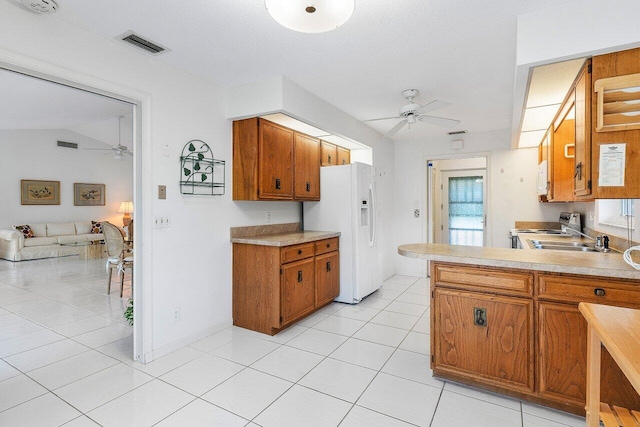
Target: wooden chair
(118, 257)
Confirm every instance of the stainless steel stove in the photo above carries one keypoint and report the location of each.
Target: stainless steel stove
(569, 219)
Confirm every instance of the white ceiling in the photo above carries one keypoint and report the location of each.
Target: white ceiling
(458, 51)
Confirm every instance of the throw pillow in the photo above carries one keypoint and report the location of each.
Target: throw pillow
(96, 227)
(25, 230)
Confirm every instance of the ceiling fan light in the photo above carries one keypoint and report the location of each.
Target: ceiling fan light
(118, 155)
(310, 16)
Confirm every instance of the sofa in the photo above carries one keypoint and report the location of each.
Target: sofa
(48, 240)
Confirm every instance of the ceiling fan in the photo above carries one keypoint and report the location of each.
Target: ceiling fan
(118, 150)
(412, 112)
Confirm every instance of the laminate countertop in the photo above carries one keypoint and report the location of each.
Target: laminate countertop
(587, 263)
(286, 239)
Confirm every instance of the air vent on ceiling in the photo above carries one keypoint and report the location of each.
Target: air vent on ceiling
(458, 132)
(67, 144)
(142, 43)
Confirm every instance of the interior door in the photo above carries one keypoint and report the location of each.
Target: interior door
(464, 207)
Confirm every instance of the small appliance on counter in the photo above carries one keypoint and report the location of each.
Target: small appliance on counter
(568, 219)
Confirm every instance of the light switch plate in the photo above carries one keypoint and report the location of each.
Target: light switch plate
(162, 192)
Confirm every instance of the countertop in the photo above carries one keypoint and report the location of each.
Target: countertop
(587, 263)
(286, 239)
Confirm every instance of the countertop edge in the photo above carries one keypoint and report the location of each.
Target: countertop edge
(626, 272)
(286, 239)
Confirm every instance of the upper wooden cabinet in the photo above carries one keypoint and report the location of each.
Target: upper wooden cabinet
(582, 161)
(271, 162)
(333, 155)
(329, 153)
(616, 127)
(306, 167)
(344, 156)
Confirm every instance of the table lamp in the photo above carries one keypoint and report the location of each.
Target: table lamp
(126, 208)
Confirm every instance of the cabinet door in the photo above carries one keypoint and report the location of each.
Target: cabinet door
(327, 278)
(484, 338)
(306, 168)
(297, 290)
(545, 155)
(275, 166)
(329, 154)
(582, 163)
(562, 340)
(562, 367)
(344, 156)
(563, 151)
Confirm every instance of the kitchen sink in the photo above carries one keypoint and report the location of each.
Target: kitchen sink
(561, 246)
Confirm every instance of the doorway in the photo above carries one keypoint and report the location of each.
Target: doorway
(463, 207)
(457, 201)
(90, 114)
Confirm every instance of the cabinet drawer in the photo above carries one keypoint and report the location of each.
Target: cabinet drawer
(585, 288)
(296, 252)
(327, 245)
(478, 278)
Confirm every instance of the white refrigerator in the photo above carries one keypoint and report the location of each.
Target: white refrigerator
(348, 205)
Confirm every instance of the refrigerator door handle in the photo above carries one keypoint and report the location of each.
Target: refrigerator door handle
(372, 216)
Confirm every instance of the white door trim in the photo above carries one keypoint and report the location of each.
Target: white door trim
(142, 190)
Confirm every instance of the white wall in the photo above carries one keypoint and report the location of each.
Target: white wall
(511, 189)
(33, 154)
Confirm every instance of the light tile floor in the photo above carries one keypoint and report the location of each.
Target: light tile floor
(65, 359)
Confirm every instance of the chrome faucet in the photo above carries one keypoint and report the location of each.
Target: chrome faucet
(602, 241)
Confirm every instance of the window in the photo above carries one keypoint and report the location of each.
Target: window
(616, 212)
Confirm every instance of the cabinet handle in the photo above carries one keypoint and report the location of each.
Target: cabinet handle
(328, 266)
(480, 316)
(599, 292)
(299, 251)
(308, 186)
(328, 245)
(329, 159)
(277, 183)
(299, 276)
(578, 173)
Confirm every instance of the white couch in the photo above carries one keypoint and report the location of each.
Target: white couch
(48, 241)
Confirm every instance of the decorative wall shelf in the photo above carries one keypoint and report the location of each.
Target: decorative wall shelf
(200, 173)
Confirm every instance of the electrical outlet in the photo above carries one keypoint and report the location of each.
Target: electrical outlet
(162, 192)
(268, 216)
(416, 213)
(176, 314)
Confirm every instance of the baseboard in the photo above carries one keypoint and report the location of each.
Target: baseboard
(183, 342)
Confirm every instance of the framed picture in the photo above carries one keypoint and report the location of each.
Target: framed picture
(88, 194)
(39, 192)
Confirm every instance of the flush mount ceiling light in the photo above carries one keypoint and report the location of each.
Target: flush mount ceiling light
(41, 6)
(310, 16)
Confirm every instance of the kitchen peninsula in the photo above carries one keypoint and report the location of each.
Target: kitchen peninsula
(507, 320)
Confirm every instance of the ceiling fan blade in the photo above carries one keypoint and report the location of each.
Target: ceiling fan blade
(99, 149)
(432, 106)
(395, 129)
(382, 118)
(438, 121)
(129, 153)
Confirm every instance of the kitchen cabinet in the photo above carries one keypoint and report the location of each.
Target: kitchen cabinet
(344, 156)
(329, 153)
(487, 321)
(544, 178)
(486, 338)
(275, 286)
(306, 167)
(333, 155)
(272, 162)
(582, 161)
(604, 67)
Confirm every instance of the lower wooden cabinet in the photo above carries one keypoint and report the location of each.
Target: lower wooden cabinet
(274, 286)
(487, 337)
(327, 277)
